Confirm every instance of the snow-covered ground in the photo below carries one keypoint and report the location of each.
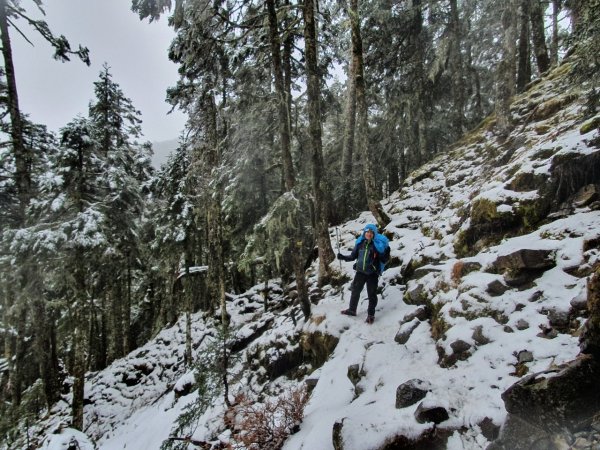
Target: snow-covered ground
(133, 403)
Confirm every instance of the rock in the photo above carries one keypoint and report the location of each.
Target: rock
(354, 374)
(496, 288)
(587, 195)
(590, 125)
(589, 341)
(460, 351)
(537, 295)
(524, 356)
(526, 181)
(435, 414)
(521, 279)
(526, 259)
(405, 331)
(479, 337)
(411, 392)
(522, 324)
(424, 270)
(558, 319)
(460, 346)
(311, 383)
(421, 313)
(489, 429)
(508, 329)
(416, 295)
(518, 434)
(565, 400)
(463, 268)
(547, 333)
(336, 435)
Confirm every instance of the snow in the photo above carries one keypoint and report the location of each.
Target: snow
(134, 403)
(68, 438)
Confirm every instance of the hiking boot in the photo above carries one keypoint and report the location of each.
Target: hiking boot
(349, 312)
(370, 319)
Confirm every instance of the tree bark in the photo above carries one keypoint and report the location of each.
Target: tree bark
(556, 6)
(349, 132)
(524, 60)
(326, 254)
(21, 153)
(282, 100)
(212, 156)
(372, 187)
(301, 285)
(456, 63)
(79, 349)
(44, 341)
(538, 36)
(506, 70)
(116, 349)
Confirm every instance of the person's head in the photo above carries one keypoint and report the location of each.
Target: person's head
(369, 231)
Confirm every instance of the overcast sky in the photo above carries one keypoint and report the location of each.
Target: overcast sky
(53, 93)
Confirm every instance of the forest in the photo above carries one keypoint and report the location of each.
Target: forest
(100, 251)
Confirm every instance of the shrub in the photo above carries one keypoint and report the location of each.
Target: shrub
(266, 426)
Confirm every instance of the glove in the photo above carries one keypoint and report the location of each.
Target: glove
(340, 256)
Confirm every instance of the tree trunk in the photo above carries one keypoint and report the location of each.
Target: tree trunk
(372, 187)
(326, 254)
(213, 214)
(456, 63)
(80, 348)
(116, 323)
(348, 143)
(282, 101)
(506, 69)
(44, 340)
(476, 82)
(524, 60)
(538, 36)
(79, 378)
(21, 153)
(187, 284)
(128, 345)
(556, 7)
(301, 284)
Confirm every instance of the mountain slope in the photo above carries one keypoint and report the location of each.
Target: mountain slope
(491, 244)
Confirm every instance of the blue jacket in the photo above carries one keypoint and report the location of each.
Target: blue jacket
(372, 256)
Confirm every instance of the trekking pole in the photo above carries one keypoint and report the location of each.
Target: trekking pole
(337, 233)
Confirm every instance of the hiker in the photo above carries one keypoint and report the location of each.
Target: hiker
(372, 252)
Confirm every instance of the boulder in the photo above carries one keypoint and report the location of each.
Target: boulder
(415, 295)
(558, 319)
(411, 392)
(354, 374)
(527, 259)
(478, 336)
(521, 279)
(587, 195)
(462, 268)
(421, 313)
(590, 338)
(435, 414)
(524, 356)
(522, 324)
(424, 270)
(496, 288)
(336, 435)
(557, 400)
(406, 330)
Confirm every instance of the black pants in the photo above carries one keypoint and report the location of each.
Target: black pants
(357, 286)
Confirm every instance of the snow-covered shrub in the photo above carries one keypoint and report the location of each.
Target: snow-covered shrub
(266, 426)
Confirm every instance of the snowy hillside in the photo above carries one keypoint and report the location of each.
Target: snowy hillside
(463, 311)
